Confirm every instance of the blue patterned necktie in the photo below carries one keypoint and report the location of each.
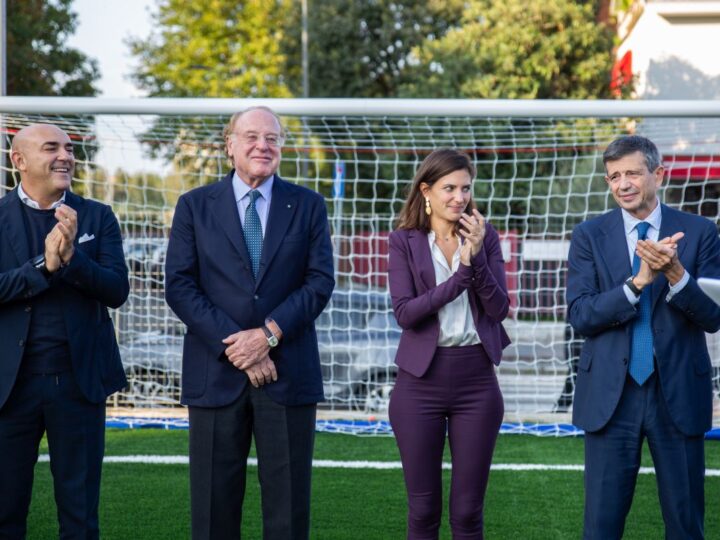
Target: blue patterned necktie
(252, 230)
(641, 354)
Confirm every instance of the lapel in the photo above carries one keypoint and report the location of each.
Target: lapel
(14, 226)
(613, 243)
(226, 214)
(420, 251)
(669, 225)
(282, 210)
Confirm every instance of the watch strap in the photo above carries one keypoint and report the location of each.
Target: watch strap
(271, 338)
(630, 285)
(39, 263)
(268, 332)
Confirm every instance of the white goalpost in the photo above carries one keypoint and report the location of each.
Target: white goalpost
(540, 173)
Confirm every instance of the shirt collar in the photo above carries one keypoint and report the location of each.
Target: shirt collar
(25, 198)
(241, 189)
(654, 219)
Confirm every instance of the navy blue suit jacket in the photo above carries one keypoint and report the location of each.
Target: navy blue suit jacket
(210, 286)
(598, 309)
(95, 279)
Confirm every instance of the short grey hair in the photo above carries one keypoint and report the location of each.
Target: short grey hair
(630, 144)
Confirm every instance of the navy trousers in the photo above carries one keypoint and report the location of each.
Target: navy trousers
(76, 439)
(459, 397)
(612, 460)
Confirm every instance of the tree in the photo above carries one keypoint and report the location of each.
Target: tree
(223, 48)
(358, 48)
(517, 49)
(39, 61)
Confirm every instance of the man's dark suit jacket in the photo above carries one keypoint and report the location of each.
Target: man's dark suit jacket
(95, 279)
(598, 265)
(210, 286)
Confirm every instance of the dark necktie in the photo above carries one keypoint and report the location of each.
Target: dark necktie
(641, 354)
(252, 230)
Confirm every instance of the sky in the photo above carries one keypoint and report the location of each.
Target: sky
(103, 28)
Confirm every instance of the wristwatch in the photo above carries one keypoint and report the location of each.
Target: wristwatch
(271, 338)
(39, 263)
(632, 287)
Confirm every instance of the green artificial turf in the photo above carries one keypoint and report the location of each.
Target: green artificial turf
(152, 501)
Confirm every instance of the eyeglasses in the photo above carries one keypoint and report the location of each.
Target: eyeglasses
(250, 139)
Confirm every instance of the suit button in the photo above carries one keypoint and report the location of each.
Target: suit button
(21, 343)
(256, 297)
(28, 308)
(625, 361)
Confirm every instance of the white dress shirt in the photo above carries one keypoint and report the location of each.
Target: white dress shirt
(25, 198)
(456, 321)
(631, 235)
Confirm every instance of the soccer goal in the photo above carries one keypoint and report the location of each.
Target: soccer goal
(539, 174)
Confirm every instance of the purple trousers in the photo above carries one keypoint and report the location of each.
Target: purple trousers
(458, 396)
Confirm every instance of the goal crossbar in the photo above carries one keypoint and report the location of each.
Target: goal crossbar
(511, 108)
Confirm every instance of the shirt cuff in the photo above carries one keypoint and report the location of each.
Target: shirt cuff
(634, 300)
(679, 286)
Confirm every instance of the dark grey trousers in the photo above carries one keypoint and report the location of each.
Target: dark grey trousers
(220, 440)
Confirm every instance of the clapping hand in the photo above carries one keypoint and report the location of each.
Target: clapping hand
(67, 226)
(660, 257)
(473, 231)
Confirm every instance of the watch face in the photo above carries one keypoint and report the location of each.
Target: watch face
(273, 341)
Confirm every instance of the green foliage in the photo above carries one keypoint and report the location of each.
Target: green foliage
(39, 61)
(358, 48)
(517, 49)
(213, 48)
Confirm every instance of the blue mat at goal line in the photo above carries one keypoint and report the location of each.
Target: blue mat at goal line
(369, 427)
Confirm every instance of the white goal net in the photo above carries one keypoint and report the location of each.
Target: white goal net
(539, 174)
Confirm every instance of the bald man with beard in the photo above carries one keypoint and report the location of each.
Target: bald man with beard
(61, 268)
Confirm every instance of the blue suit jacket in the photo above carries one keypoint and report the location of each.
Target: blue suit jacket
(210, 286)
(95, 279)
(598, 309)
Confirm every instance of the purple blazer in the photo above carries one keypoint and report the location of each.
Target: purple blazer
(416, 298)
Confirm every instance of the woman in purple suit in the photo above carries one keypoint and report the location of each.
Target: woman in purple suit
(449, 295)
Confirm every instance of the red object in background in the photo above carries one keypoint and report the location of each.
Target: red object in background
(511, 253)
(368, 260)
(700, 167)
(621, 74)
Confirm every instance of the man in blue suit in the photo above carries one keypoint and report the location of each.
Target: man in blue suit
(644, 371)
(61, 267)
(249, 268)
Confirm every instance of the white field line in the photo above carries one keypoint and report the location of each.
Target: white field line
(377, 465)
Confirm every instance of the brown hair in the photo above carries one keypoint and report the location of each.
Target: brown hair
(438, 164)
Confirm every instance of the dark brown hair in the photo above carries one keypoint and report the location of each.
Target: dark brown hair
(438, 164)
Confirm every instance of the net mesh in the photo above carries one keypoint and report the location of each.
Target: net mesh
(537, 178)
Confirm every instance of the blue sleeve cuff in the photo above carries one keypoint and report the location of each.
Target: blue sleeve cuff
(634, 300)
(679, 286)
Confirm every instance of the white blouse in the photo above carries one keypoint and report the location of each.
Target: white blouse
(456, 321)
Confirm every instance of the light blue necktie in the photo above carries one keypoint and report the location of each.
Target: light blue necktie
(252, 230)
(641, 353)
